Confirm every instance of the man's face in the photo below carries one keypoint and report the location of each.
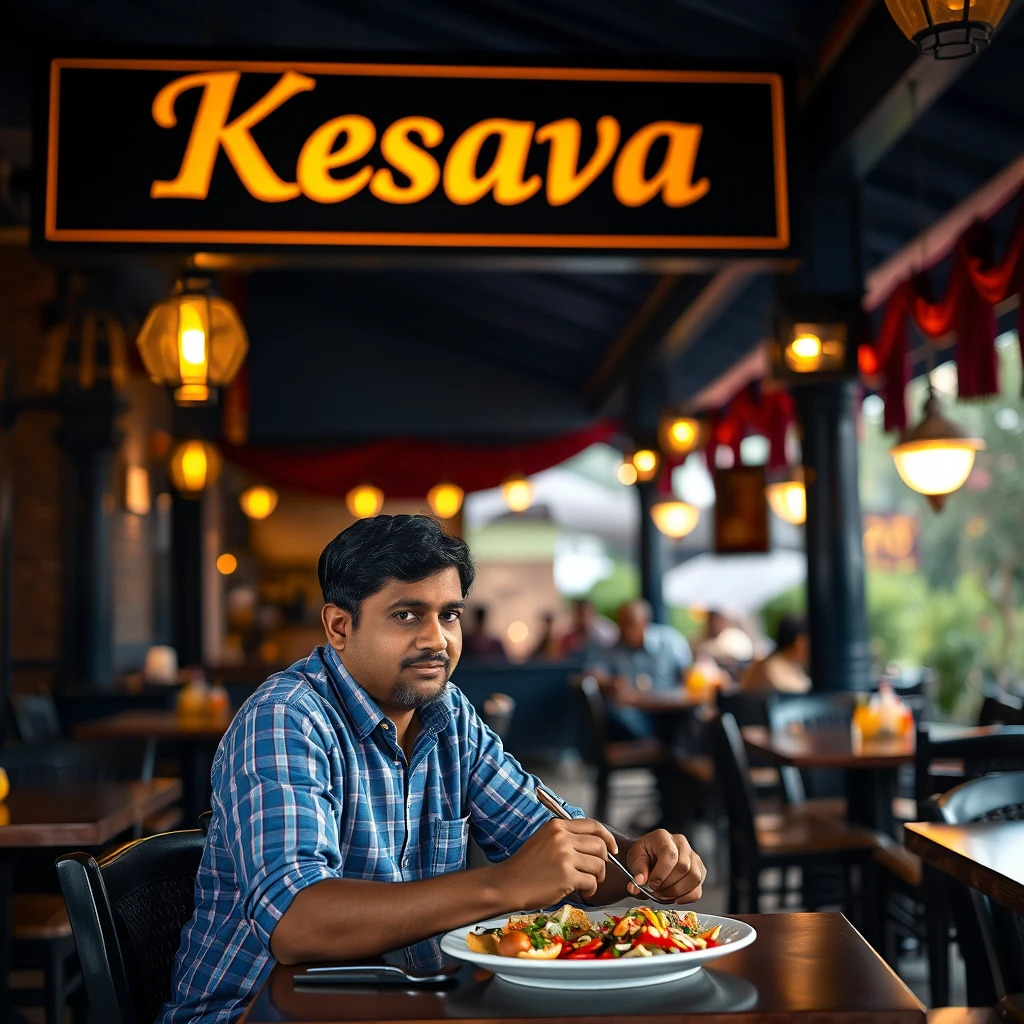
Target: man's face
(632, 623)
(408, 640)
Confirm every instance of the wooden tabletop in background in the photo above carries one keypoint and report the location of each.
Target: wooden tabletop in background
(986, 855)
(81, 813)
(162, 725)
(802, 966)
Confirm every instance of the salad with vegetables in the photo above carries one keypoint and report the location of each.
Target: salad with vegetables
(569, 934)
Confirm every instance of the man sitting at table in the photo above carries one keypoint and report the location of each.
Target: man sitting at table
(346, 789)
(648, 656)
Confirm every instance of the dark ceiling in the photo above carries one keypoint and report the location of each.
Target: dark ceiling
(505, 329)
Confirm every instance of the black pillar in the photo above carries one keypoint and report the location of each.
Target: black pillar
(89, 438)
(836, 610)
(652, 554)
(187, 575)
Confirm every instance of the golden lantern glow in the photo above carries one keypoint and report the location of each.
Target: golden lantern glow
(226, 564)
(936, 457)
(646, 462)
(445, 500)
(258, 502)
(193, 341)
(194, 466)
(787, 497)
(675, 518)
(627, 472)
(517, 492)
(816, 348)
(364, 501)
(680, 435)
(136, 490)
(948, 29)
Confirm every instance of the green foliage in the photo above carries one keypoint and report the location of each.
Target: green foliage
(897, 609)
(690, 625)
(623, 584)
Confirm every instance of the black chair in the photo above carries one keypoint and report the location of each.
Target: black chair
(989, 798)
(791, 838)
(611, 756)
(35, 717)
(998, 708)
(127, 912)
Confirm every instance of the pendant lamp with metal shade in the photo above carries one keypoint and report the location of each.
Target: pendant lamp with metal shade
(948, 29)
(935, 458)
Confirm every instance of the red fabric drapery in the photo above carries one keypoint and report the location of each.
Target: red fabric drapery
(753, 410)
(976, 283)
(407, 468)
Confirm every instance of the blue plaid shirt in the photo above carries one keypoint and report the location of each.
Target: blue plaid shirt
(309, 783)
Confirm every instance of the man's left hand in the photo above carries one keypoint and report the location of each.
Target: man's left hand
(665, 864)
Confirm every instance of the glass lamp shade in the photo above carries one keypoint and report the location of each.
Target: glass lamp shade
(194, 466)
(364, 501)
(445, 500)
(193, 341)
(517, 492)
(646, 462)
(258, 502)
(788, 499)
(936, 457)
(674, 518)
(948, 28)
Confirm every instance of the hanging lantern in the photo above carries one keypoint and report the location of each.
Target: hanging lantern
(947, 29)
(680, 435)
(675, 518)
(364, 501)
(517, 492)
(646, 462)
(258, 502)
(936, 457)
(787, 497)
(813, 339)
(445, 500)
(193, 341)
(194, 466)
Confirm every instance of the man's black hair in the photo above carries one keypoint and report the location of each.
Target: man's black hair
(360, 560)
(790, 627)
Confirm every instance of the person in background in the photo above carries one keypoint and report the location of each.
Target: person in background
(589, 630)
(548, 646)
(648, 656)
(785, 669)
(713, 625)
(479, 643)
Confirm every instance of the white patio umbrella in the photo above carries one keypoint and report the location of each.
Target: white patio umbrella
(741, 582)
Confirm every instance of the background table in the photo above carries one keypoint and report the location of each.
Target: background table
(68, 817)
(986, 855)
(195, 740)
(802, 966)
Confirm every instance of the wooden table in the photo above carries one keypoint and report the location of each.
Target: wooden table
(196, 739)
(986, 855)
(870, 765)
(65, 818)
(801, 967)
(659, 702)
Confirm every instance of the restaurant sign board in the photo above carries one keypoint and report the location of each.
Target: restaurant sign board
(274, 154)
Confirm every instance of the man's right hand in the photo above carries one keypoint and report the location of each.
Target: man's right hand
(559, 858)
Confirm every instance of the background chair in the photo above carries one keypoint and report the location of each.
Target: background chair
(791, 838)
(36, 717)
(127, 912)
(497, 713)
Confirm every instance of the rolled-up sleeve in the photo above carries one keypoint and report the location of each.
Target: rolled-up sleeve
(504, 812)
(275, 798)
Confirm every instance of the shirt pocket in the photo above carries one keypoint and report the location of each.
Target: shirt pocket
(451, 839)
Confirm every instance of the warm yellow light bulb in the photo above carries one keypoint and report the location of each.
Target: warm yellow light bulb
(627, 474)
(227, 564)
(683, 433)
(364, 501)
(935, 467)
(194, 465)
(445, 500)
(258, 502)
(518, 493)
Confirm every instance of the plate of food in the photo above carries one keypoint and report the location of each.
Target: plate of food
(625, 946)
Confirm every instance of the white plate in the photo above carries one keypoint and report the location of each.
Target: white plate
(595, 974)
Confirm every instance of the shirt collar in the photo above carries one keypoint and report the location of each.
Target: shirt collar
(362, 710)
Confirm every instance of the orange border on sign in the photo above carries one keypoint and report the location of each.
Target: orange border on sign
(427, 239)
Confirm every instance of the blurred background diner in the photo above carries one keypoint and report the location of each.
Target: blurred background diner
(747, 522)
